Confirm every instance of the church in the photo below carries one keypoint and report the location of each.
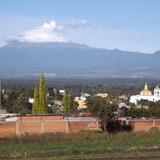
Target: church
(146, 94)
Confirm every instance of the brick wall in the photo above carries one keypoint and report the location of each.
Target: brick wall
(143, 125)
(157, 124)
(32, 118)
(43, 124)
(7, 129)
(76, 126)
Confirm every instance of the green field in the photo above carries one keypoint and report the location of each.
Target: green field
(82, 145)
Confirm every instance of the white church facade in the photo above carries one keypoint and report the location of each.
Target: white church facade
(146, 94)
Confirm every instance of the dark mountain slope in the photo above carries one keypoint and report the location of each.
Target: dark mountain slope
(74, 59)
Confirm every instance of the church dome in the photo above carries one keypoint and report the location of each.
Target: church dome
(157, 91)
(146, 91)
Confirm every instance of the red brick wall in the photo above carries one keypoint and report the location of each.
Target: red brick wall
(157, 124)
(82, 125)
(36, 126)
(30, 128)
(42, 124)
(142, 125)
(7, 129)
(32, 118)
(54, 127)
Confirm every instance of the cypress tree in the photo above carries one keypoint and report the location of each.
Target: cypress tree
(35, 105)
(66, 102)
(42, 95)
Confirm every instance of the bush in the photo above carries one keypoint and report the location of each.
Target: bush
(113, 126)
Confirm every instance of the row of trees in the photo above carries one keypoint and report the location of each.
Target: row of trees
(151, 112)
(147, 109)
(40, 105)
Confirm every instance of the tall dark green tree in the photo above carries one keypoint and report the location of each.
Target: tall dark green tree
(35, 105)
(42, 95)
(66, 103)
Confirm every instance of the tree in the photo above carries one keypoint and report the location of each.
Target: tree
(16, 100)
(42, 95)
(66, 102)
(103, 109)
(35, 105)
(106, 112)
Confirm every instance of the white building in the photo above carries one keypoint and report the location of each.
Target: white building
(62, 92)
(103, 95)
(31, 100)
(146, 94)
(123, 105)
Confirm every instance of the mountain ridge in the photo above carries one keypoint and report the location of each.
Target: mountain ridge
(72, 59)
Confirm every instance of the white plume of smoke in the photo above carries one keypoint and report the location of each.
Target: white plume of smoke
(48, 32)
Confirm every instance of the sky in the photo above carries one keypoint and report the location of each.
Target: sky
(125, 24)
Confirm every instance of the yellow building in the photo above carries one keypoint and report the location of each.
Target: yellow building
(81, 103)
(82, 100)
(145, 91)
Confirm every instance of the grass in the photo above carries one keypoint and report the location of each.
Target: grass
(80, 145)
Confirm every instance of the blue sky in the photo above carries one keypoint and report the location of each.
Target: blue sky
(125, 24)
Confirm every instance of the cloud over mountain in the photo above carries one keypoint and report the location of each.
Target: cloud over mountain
(79, 31)
(79, 23)
(48, 32)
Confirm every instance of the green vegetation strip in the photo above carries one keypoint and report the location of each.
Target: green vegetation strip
(81, 145)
